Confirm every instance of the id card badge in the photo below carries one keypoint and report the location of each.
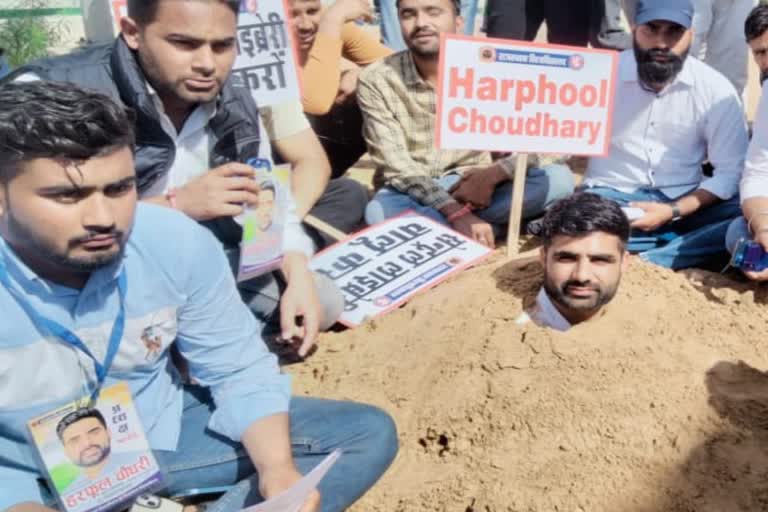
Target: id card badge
(96, 457)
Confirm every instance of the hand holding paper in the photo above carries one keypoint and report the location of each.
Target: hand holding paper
(299, 497)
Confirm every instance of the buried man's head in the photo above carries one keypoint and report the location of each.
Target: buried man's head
(85, 437)
(584, 254)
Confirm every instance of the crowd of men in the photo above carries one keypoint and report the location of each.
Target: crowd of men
(123, 171)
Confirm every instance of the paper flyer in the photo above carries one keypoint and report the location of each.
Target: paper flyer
(96, 458)
(292, 499)
(261, 249)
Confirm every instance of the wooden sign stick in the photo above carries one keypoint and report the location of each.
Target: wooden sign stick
(516, 207)
(324, 227)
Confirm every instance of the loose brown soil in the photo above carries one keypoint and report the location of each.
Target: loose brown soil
(660, 405)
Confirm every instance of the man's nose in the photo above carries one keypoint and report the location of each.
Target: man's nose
(98, 213)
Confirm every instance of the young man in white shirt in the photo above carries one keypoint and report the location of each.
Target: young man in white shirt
(672, 113)
(584, 254)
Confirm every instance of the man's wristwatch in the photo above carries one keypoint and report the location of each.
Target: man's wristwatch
(676, 215)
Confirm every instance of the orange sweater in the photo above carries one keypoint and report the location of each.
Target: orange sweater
(320, 72)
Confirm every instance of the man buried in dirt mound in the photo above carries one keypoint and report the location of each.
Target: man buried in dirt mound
(583, 256)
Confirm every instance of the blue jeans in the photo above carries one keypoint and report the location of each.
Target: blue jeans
(206, 461)
(392, 36)
(542, 188)
(737, 230)
(685, 243)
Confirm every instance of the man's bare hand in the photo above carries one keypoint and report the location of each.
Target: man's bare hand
(762, 238)
(221, 192)
(276, 480)
(351, 10)
(656, 215)
(347, 86)
(299, 301)
(475, 228)
(477, 185)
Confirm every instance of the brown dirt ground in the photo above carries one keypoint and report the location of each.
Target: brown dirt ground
(646, 409)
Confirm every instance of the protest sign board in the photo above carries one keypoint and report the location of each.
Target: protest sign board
(266, 61)
(522, 97)
(497, 95)
(383, 266)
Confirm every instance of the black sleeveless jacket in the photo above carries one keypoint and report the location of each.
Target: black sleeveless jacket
(113, 69)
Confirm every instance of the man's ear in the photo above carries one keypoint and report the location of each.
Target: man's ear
(624, 261)
(459, 24)
(543, 256)
(130, 31)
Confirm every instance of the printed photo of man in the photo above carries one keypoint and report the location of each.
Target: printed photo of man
(86, 441)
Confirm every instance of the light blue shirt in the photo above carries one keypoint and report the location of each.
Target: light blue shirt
(179, 287)
(659, 140)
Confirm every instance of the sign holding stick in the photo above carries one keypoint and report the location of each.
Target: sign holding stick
(509, 96)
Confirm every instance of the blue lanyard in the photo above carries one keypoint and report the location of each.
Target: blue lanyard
(70, 338)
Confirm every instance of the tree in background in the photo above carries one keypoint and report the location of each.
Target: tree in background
(28, 37)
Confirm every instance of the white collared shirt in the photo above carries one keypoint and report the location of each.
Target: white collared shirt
(544, 314)
(754, 183)
(659, 140)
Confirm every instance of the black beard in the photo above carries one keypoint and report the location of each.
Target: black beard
(559, 295)
(763, 76)
(63, 261)
(104, 454)
(652, 72)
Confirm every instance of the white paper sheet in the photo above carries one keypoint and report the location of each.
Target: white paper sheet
(293, 498)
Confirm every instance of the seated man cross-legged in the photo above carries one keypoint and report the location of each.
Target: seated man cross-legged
(86, 271)
(672, 113)
(465, 189)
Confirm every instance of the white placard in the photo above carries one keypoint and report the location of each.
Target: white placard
(383, 266)
(497, 95)
(293, 498)
(266, 62)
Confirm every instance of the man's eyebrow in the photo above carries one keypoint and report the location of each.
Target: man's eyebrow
(124, 181)
(566, 253)
(60, 189)
(196, 40)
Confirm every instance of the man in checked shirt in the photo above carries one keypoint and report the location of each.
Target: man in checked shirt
(464, 189)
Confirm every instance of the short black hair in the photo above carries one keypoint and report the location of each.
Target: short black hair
(143, 11)
(456, 5)
(75, 416)
(757, 22)
(58, 120)
(582, 214)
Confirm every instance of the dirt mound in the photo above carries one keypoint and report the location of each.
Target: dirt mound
(646, 409)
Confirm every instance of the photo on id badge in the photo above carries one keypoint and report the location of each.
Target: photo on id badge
(96, 456)
(261, 248)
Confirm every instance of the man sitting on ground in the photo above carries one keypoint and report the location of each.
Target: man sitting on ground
(332, 49)
(672, 113)
(195, 130)
(462, 188)
(583, 256)
(79, 259)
